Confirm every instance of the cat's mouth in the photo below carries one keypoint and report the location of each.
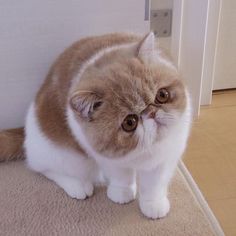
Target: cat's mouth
(164, 119)
(160, 122)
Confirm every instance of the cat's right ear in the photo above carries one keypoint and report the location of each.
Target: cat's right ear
(146, 49)
(84, 103)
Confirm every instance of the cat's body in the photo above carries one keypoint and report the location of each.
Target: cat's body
(77, 127)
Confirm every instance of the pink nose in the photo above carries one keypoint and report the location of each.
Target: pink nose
(152, 115)
(149, 112)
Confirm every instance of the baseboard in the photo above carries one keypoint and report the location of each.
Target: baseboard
(201, 200)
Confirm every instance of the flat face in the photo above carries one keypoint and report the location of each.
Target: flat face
(153, 97)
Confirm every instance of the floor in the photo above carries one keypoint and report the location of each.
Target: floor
(211, 157)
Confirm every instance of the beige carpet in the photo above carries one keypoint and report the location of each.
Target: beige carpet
(32, 205)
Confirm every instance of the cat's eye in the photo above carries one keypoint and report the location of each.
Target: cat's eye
(97, 105)
(162, 96)
(130, 123)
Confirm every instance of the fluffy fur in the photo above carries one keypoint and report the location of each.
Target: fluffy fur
(74, 127)
(11, 144)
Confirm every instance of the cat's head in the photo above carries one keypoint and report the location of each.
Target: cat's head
(129, 98)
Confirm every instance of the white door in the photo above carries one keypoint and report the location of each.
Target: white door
(188, 42)
(225, 68)
(33, 33)
(194, 41)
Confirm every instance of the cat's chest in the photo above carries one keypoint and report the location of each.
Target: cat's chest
(170, 149)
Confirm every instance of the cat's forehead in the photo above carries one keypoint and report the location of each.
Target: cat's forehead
(132, 91)
(130, 87)
(129, 84)
(137, 80)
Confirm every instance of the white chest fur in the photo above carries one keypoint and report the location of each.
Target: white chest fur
(169, 148)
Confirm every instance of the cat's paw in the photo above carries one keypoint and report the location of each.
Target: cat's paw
(77, 190)
(155, 209)
(121, 195)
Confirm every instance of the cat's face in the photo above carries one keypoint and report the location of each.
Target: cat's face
(129, 104)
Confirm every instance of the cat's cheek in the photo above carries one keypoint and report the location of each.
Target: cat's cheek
(139, 133)
(149, 132)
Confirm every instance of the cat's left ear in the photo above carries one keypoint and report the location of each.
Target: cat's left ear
(146, 49)
(84, 103)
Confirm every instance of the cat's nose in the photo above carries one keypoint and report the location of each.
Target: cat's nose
(149, 112)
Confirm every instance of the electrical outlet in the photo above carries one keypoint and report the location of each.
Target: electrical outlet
(161, 22)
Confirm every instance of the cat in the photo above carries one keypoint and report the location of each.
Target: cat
(113, 106)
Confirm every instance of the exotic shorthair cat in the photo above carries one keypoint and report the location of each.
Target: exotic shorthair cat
(112, 106)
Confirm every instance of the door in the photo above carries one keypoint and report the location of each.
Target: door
(194, 41)
(225, 69)
(33, 33)
(188, 43)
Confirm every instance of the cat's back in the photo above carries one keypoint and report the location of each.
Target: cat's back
(51, 100)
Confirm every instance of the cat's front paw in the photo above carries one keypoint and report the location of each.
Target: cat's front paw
(79, 191)
(121, 195)
(155, 209)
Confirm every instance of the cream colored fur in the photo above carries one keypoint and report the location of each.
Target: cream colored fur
(146, 159)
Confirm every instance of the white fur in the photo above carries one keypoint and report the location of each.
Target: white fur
(147, 133)
(71, 171)
(153, 163)
(137, 159)
(154, 166)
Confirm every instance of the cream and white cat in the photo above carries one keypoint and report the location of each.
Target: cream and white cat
(112, 104)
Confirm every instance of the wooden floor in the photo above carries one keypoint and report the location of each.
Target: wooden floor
(211, 157)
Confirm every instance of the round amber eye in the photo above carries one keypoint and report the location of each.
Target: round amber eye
(162, 96)
(130, 123)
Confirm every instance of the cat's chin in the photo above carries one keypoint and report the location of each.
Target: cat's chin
(163, 131)
(160, 124)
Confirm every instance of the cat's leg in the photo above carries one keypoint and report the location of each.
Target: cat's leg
(71, 185)
(70, 169)
(153, 186)
(71, 172)
(122, 184)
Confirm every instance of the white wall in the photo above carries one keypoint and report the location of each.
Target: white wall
(33, 33)
(225, 67)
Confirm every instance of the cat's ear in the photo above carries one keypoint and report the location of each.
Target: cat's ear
(146, 48)
(84, 103)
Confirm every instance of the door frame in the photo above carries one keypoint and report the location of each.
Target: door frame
(194, 39)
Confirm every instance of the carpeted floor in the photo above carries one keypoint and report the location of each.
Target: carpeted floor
(32, 205)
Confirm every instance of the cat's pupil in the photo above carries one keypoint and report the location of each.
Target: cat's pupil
(162, 94)
(129, 122)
